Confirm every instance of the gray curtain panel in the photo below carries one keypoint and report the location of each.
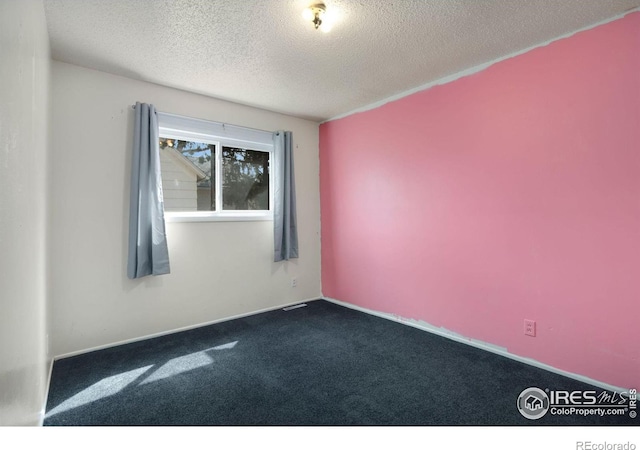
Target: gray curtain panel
(284, 210)
(148, 252)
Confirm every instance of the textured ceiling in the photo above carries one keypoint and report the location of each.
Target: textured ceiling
(262, 53)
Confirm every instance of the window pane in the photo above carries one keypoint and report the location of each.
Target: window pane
(188, 183)
(245, 183)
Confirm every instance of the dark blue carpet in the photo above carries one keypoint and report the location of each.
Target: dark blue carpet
(319, 365)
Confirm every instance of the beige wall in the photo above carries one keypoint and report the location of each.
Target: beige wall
(24, 106)
(219, 269)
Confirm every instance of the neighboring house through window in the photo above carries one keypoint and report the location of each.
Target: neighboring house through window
(214, 171)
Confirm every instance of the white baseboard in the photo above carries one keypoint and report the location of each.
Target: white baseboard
(46, 394)
(479, 344)
(178, 330)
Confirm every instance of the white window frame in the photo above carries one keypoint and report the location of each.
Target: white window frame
(221, 135)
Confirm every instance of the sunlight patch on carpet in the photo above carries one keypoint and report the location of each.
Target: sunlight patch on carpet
(104, 388)
(186, 363)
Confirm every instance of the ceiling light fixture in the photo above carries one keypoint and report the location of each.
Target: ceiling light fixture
(318, 15)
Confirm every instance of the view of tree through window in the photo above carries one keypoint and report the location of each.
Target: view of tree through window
(245, 183)
(189, 177)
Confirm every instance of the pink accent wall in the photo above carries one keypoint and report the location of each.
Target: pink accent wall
(510, 194)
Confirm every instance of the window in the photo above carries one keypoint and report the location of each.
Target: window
(213, 171)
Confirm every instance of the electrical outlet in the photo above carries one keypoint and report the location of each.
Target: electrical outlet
(530, 327)
(294, 282)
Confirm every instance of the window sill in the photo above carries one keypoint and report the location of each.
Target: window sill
(217, 217)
